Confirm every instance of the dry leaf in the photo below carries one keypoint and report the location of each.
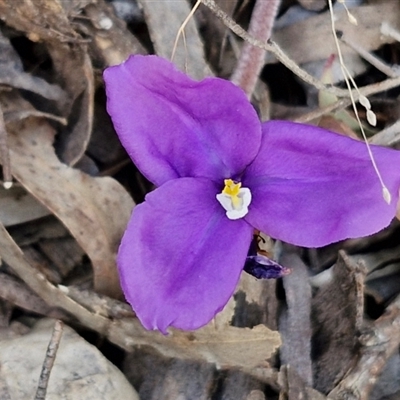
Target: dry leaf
(312, 39)
(18, 206)
(95, 210)
(69, 63)
(229, 347)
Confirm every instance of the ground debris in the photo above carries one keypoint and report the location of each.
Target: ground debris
(329, 330)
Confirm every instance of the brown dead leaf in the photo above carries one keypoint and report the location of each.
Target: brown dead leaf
(312, 39)
(75, 139)
(95, 210)
(231, 347)
(18, 206)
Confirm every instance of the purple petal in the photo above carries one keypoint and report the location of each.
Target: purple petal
(262, 267)
(312, 187)
(180, 258)
(173, 126)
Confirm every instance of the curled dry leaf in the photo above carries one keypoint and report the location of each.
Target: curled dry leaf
(228, 347)
(95, 210)
(75, 139)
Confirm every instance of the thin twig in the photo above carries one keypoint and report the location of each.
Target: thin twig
(252, 58)
(371, 58)
(52, 295)
(302, 74)
(269, 46)
(5, 153)
(350, 81)
(342, 103)
(388, 136)
(388, 30)
(49, 360)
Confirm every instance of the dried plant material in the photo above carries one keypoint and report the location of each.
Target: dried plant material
(294, 388)
(295, 323)
(342, 121)
(49, 360)
(16, 293)
(378, 344)
(64, 253)
(382, 285)
(13, 256)
(230, 347)
(81, 202)
(159, 378)
(255, 302)
(80, 371)
(5, 154)
(371, 117)
(217, 36)
(313, 5)
(316, 38)
(189, 55)
(388, 136)
(239, 386)
(74, 141)
(99, 304)
(41, 263)
(109, 46)
(350, 83)
(41, 20)
(18, 206)
(338, 325)
(12, 73)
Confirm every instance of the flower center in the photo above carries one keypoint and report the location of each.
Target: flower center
(234, 199)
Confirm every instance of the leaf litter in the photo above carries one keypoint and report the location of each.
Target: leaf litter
(329, 329)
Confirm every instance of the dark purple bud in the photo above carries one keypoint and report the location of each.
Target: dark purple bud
(262, 267)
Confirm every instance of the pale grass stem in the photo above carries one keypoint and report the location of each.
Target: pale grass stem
(371, 119)
(181, 30)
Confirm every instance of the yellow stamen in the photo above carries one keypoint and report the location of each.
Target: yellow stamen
(232, 189)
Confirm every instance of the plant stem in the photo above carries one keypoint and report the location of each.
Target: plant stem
(252, 57)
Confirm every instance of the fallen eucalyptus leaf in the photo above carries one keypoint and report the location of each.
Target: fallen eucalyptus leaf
(18, 206)
(86, 205)
(229, 347)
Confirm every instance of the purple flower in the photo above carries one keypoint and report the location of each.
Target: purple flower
(221, 174)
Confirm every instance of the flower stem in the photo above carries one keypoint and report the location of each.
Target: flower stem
(252, 57)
